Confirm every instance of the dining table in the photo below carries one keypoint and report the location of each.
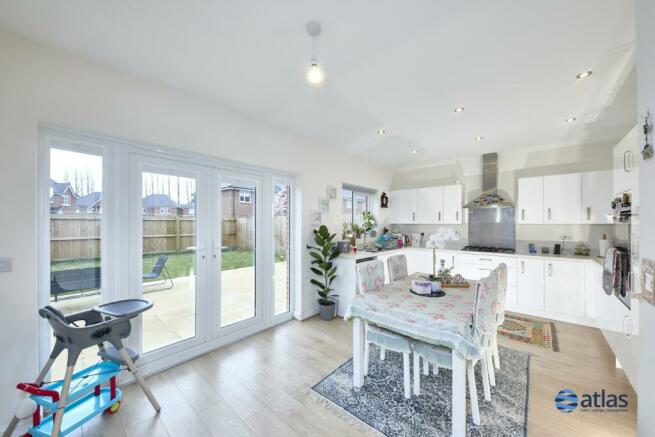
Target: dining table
(443, 321)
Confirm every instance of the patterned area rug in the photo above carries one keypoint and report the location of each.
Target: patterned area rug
(380, 402)
(529, 330)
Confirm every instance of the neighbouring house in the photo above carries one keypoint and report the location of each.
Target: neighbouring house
(161, 204)
(237, 202)
(91, 203)
(63, 198)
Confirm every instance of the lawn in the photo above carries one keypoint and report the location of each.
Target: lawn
(178, 264)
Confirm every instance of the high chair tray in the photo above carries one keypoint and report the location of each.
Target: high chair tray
(124, 308)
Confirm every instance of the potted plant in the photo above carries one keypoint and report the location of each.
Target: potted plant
(368, 223)
(321, 265)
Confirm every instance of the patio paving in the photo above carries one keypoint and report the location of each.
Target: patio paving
(172, 317)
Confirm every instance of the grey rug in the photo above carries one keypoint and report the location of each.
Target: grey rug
(380, 402)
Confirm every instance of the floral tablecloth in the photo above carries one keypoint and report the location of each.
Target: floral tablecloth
(444, 321)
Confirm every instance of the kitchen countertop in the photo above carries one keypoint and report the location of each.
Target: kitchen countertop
(519, 253)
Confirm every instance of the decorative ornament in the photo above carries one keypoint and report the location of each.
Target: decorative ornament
(647, 151)
(384, 201)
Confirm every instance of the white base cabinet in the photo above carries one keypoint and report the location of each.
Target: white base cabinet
(564, 287)
(530, 284)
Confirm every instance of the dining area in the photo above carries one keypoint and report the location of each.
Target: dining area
(451, 335)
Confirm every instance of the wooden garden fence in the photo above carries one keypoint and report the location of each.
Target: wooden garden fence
(77, 236)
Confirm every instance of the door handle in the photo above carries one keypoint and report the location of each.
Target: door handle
(589, 213)
(523, 214)
(522, 266)
(627, 161)
(550, 269)
(549, 214)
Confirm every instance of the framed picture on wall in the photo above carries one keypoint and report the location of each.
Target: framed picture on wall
(315, 218)
(331, 192)
(323, 205)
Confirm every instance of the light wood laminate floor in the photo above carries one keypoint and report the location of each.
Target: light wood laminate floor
(260, 387)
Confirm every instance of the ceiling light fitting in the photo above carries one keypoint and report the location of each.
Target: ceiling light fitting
(413, 151)
(583, 74)
(459, 109)
(570, 120)
(478, 138)
(315, 74)
(381, 131)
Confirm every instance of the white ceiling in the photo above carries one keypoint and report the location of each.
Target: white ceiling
(402, 66)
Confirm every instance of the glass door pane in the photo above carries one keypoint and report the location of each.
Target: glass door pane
(238, 222)
(75, 225)
(281, 247)
(169, 258)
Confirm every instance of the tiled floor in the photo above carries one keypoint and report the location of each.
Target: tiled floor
(172, 317)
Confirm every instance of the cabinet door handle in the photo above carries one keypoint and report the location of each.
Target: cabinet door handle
(483, 269)
(522, 266)
(627, 327)
(627, 161)
(453, 261)
(550, 269)
(485, 259)
(457, 216)
(523, 214)
(439, 215)
(589, 213)
(549, 214)
(413, 216)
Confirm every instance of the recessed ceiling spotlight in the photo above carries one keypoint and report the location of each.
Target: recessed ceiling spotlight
(381, 131)
(478, 138)
(583, 74)
(570, 120)
(413, 151)
(459, 109)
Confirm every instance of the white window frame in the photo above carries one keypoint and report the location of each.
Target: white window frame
(245, 196)
(66, 200)
(118, 276)
(361, 192)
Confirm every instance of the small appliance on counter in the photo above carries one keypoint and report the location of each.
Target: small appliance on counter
(343, 247)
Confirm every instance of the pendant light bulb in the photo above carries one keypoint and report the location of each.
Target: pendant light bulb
(315, 74)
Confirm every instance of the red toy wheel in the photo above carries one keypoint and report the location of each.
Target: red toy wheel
(114, 408)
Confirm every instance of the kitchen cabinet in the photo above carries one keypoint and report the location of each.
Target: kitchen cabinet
(562, 199)
(429, 205)
(402, 206)
(564, 287)
(625, 164)
(530, 284)
(452, 204)
(530, 205)
(596, 197)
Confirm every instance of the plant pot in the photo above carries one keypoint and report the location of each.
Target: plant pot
(328, 311)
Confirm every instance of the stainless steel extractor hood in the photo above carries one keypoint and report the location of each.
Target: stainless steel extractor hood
(491, 196)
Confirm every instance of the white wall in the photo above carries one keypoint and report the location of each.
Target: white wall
(646, 101)
(43, 85)
(513, 165)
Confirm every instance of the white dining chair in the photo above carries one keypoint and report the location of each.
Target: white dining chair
(397, 265)
(484, 325)
(370, 277)
(501, 278)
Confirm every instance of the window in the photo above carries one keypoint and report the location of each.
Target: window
(245, 197)
(353, 203)
(164, 210)
(67, 200)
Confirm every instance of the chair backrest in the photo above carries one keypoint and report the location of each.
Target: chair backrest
(501, 276)
(160, 264)
(397, 267)
(370, 275)
(484, 316)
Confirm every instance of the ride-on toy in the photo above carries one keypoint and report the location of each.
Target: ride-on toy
(80, 396)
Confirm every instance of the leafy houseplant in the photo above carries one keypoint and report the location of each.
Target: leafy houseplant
(321, 265)
(368, 223)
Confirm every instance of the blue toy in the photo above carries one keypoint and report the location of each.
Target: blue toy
(80, 396)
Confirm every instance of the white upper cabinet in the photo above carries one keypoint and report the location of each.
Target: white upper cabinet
(402, 206)
(626, 161)
(530, 201)
(452, 204)
(596, 197)
(430, 205)
(562, 199)
(564, 287)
